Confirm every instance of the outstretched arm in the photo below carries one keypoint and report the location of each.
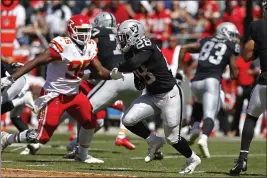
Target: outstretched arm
(191, 48)
(100, 70)
(43, 58)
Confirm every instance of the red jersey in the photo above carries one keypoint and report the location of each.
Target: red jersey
(243, 77)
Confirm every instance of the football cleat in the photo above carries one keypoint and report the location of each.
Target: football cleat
(4, 142)
(71, 154)
(34, 147)
(124, 142)
(241, 165)
(26, 151)
(203, 146)
(158, 155)
(154, 143)
(72, 144)
(194, 134)
(89, 159)
(190, 164)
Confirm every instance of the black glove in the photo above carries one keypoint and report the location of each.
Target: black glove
(16, 65)
(139, 83)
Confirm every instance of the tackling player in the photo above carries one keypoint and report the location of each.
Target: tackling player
(255, 47)
(66, 59)
(162, 95)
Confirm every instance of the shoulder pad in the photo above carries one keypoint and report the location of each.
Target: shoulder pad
(143, 44)
(59, 43)
(235, 48)
(91, 49)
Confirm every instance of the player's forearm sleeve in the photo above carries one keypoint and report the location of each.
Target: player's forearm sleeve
(135, 62)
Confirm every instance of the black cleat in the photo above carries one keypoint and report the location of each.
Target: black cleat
(158, 155)
(72, 154)
(241, 165)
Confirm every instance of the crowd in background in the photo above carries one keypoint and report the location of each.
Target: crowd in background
(168, 23)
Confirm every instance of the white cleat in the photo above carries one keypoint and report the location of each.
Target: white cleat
(26, 151)
(194, 134)
(4, 142)
(154, 143)
(190, 164)
(89, 159)
(203, 146)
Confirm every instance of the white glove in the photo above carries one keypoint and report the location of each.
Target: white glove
(6, 81)
(16, 64)
(115, 74)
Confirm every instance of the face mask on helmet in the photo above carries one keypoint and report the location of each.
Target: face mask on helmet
(264, 9)
(81, 34)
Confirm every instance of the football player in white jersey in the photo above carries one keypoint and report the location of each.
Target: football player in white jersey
(66, 59)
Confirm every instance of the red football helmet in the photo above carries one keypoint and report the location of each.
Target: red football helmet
(79, 29)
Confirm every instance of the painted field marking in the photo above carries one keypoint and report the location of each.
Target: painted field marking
(37, 165)
(212, 156)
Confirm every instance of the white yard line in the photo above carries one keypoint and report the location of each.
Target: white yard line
(212, 156)
(37, 165)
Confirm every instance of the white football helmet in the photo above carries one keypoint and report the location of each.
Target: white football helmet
(227, 31)
(105, 19)
(128, 33)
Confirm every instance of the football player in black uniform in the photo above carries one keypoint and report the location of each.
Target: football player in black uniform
(215, 54)
(161, 95)
(255, 47)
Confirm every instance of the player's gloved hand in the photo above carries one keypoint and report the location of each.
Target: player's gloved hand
(139, 83)
(6, 81)
(115, 74)
(16, 65)
(180, 75)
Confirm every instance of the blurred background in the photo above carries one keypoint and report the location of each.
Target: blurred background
(27, 26)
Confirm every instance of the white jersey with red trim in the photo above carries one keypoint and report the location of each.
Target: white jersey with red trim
(64, 74)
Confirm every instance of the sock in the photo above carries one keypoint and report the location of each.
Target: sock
(183, 148)
(7, 106)
(204, 137)
(196, 125)
(18, 101)
(19, 124)
(85, 136)
(17, 137)
(139, 129)
(247, 135)
(208, 125)
(123, 129)
(197, 113)
(78, 132)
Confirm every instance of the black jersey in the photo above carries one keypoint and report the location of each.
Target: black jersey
(158, 78)
(108, 54)
(214, 57)
(5, 67)
(258, 33)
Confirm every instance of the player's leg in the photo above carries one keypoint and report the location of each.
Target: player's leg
(257, 105)
(171, 105)
(81, 110)
(141, 109)
(48, 118)
(211, 106)
(197, 113)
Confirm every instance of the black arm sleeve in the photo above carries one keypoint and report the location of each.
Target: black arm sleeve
(135, 62)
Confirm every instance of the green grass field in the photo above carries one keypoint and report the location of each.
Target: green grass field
(119, 160)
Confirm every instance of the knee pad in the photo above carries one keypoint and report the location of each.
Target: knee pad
(172, 135)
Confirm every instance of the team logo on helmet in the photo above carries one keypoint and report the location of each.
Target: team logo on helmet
(134, 29)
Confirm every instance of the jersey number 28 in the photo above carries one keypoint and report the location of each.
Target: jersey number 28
(216, 58)
(147, 76)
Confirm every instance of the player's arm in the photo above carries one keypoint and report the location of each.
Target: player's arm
(43, 58)
(233, 68)
(249, 52)
(100, 70)
(135, 62)
(188, 48)
(5, 59)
